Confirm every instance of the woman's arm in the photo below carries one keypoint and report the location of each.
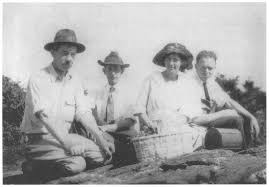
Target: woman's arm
(145, 121)
(141, 107)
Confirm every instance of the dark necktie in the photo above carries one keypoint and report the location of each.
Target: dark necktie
(206, 91)
(206, 101)
(110, 106)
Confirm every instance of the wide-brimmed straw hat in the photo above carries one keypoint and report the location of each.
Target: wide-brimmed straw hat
(177, 48)
(113, 58)
(65, 36)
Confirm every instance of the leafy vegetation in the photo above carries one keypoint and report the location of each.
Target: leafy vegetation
(13, 108)
(251, 98)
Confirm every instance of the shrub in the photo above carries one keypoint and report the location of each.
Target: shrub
(251, 98)
(13, 108)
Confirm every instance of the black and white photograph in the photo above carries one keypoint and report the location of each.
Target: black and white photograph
(134, 93)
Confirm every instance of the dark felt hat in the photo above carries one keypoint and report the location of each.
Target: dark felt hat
(113, 58)
(65, 36)
(173, 48)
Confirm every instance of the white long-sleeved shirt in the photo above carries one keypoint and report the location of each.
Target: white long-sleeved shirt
(194, 92)
(123, 104)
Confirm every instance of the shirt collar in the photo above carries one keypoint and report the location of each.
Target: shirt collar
(117, 87)
(55, 77)
(197, 78)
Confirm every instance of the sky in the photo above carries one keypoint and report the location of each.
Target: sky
(235, 31)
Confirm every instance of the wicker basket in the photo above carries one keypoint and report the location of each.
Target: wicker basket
(162, 146)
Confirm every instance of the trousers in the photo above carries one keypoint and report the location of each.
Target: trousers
(45, 156)
(124, 150)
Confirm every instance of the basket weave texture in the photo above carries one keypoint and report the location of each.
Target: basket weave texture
(162, 146)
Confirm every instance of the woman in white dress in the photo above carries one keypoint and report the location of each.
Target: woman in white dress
(162, 94)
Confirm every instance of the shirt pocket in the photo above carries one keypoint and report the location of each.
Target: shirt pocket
(69, 108)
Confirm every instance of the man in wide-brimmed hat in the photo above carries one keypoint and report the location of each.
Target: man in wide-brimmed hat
(54, 99)
(113, 111)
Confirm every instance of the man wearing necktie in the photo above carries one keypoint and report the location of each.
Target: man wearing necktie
(219, 109)
(109, 118)
(207, 101)
(112, 111)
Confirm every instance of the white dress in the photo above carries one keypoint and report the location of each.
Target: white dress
(163, 100)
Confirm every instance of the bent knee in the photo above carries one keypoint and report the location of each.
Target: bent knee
(94, 156)
(238, 120)
(73, 165)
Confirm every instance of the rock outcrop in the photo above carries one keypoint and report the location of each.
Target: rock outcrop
(206, 166)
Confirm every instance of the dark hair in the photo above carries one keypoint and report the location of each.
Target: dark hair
(185, 65)
(205, 53)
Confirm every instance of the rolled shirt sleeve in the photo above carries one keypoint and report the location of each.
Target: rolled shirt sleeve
(34, 98)
(35, 101)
